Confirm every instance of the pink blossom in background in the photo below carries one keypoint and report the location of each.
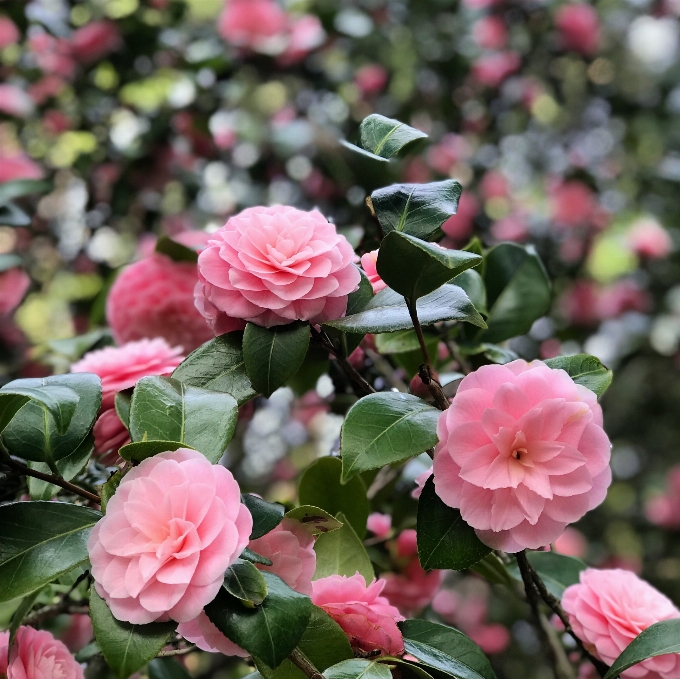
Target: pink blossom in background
(368, 619)
(37, 655)
(579, 28)
(407, 543)
(492, 638)
(514, 228)
(14, 284)
(664, 509)
(173, 527)
(110, 435)
(258, 25)
(9, 33)
(579, 304)
(305, 33)
(272, 266)
(78, 633)
(15, 102)
(368, 264)
(371, 79)
(492, 69)
(522, 453)
(207, 637)
(53, 55)
(459, 227)
(571, 543)
(379, 524)
(609, 608)
(290, 548)
(494, 184)
(490, 33)
(412, 589)
(421, 479)
(448, 152)
(572, 204)
(154, 297)
(48, 86)
(18, 166)
(95, 41)
(649, 239)
(621, 296)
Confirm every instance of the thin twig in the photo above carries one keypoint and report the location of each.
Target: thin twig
(177, 651)
(302, 662)
(47, 612)
(386, 370)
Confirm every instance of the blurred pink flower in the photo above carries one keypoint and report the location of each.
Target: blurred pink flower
(9, 33)
(571, 543)
(258, 25)
(492, 69)
(412, 589)
(649, 239)
(621, 296)
(110, 435)
(572, 204)
(95, 41)
(609, 608)
(459, 227)
(494, 184)
(490, 33)
(78, 633)
(368, 619)
(664, 510)
(48, 86)
(379, 524)
(368, 264)
(514, 227)
(491, 638)
(18, 166)
(14, 283)
(173, 527)
(371, 79)
(53, 55)
(579, 28)
(451, 150)
(15, 102)
(305, 33)
(207, 637)
(521, 453)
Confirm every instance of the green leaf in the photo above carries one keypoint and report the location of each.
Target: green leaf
(444, 539)
(126, 647)
(21, 187)
(557, 571)
(342, 552)
(658, 639)
(409, 670)
(473, 284)
(270, 631)
(35, 435)
(218, 365)
(245, 582)
(9, 261)
(273, 355)
(415, 268)
(416, 209)
(494, 570)
(323, 644)
(402, 341)
(74, 347)
(517, 289)
(585, 370)
(109, 488)
(266, 515)
(20, 613)
(254, 557)
(39, 541)
(385, 137)
(363, 153)
(357, 668)
(165, 409)
(136, 452)
(387, 311)
(167, 668)
(314, 519)
(176, 251)
(122, 402)
(383, 428)
(445, 649)
(320, 486)
(68, 467)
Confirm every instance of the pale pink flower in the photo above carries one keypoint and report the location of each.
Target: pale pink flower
(272, 266)
(368, 264)
(514, 227)
(493, 69)
(258, 25)
(53, 55)
(15, 102)
(290, 548)
(79, 632)
(572, 543)
(379, 524)
(421, 480)
(173, 527)
(608, 608)
(490, 33)
(95, 40)
(412, 589)
(37, 655)
(154, 297)
(649, 239)
(305, 33)
(368, 619)
(371, 79)
(18, 166)
(207, 637)
(459, 227)
(572, 204)
(9, 33)
(14, 284)
(664, 510)
(522, 453)
(579, 28)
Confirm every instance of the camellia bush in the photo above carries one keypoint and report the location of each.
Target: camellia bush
(134, 521)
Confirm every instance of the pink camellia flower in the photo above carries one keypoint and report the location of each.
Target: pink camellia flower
(522, 453)
(492, 69)
(371, 79)
(305, 33)
(9, 33)
(258, 25)
(664, 509)
(490, 33)
(14, 284)
(368, 264)
(579, 28)
(608, 608)
(451, 150)
(368, 619)
(15, 102)
(154, 297)
(18, 166)
(572, 204)
(459, 227)
(649, 239)
(173, 527)
(207, 637)
(379, 524)
(53, 55)
(37, 655)
(79, 632)
(290, 548)
(95, 40)
(421, 480)
(272, 266)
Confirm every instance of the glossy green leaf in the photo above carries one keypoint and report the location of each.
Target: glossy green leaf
(585, 370)
(402, 341)
(19, 615)
(445, 649)
(167, 668)
(176, 251)
(416, 209)
(270, 631)
(362, 153)
(245, 582)
(266, 515)
(473, 284)
(254, 557)
(658, 639)
(444, 539)
(323, 644)
(557, 571)
(126, 647)
(108, 489)
(357, 668)
(165, 409)
(39, 541)
(314, 519)
(414, 268)
(273, 355)
(517, 288)
(136, 452)
(342, 553)
(34, 435)
(387, 311)
(122, 402)
(383, 428)
(320, 486)
(386, 137)
(218, 365)
(74, 347)
(494, 570)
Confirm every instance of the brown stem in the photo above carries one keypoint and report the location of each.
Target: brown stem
(177, 651)
(47, 612)
(300, 660)
(419, 331)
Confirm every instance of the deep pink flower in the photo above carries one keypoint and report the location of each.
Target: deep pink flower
(272, 266)
(37, 655)
(609, 608)
(412, 589)
(305, 33)
(110, 435)
(371, 79)
(290, 548)
(379, 524)
(18, 166)
(79, 632)
(522, 453)
(207, 637)
(15, 102)
(9, 33)
(459, 227)
(579, 28)
(258, 25)
(95, 40)
(53, 55)
(451, 150)
(173, 527)
(154, 297)
(13, 286)
(490, 33)
(572, 204)
(368, 264)
(368, 619)
(493, 69)
(649, 239)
